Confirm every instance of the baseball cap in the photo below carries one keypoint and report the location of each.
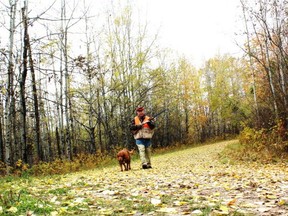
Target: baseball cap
(139, 109)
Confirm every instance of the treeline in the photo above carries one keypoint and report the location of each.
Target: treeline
(71, 80)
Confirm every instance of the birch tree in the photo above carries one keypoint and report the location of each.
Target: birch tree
(129, 53)
(9, 101)
(251, 62)
(267, 44)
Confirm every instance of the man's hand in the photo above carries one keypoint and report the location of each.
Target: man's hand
(139, 126)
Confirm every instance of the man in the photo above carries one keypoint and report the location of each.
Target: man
(142, 127)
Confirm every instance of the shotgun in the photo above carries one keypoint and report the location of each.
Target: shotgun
(151, 118)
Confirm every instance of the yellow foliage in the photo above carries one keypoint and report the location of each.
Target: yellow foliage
(80, 162)
(265, 145)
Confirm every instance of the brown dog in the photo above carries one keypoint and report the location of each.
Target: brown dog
(124, 158)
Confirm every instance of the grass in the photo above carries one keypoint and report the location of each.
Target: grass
(59, 191)
(35, 194)
(13, 202)
(236, 152)
(231, 152)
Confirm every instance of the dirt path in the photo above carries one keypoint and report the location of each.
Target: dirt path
(187, 182)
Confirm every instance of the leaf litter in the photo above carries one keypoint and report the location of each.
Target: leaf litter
(187, 182)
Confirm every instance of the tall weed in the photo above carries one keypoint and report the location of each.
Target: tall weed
(265, 145)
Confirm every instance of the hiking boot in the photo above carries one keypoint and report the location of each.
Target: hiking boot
(144, 166)
(149, 166)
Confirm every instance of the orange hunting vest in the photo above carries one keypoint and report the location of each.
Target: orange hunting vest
(137, 121)
(145, 132)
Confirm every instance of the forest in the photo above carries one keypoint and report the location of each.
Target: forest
(70, 82)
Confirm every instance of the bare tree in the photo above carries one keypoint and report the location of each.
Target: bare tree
(22, 83)
(9, 102)
(266, 46)
(251, 62)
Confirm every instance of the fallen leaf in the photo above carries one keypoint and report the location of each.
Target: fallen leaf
(232, 202)
(167, 210)
(53, 213)
(224, 209)
(179, 203)
(271, 197)
(281, 202)
(12, 209)
(197, 211)
(155, 201)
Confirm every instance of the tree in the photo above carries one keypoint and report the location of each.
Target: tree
(9, 101)
(22, 83)
(265, 25)
(224, 87)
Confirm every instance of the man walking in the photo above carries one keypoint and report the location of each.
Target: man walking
(142, 127)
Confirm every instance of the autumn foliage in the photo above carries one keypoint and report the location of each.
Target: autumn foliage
(266, 145)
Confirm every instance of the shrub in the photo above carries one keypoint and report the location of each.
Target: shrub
(264, 144)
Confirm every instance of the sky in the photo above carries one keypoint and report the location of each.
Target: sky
(198, 29)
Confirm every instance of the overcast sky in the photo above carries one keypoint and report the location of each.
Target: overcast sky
(200, 29)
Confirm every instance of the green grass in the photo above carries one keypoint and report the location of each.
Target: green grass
(20, 202)
(231, 152)
(59, 191)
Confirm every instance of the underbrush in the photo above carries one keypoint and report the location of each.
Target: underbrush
(58, 166)
(265, 146)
